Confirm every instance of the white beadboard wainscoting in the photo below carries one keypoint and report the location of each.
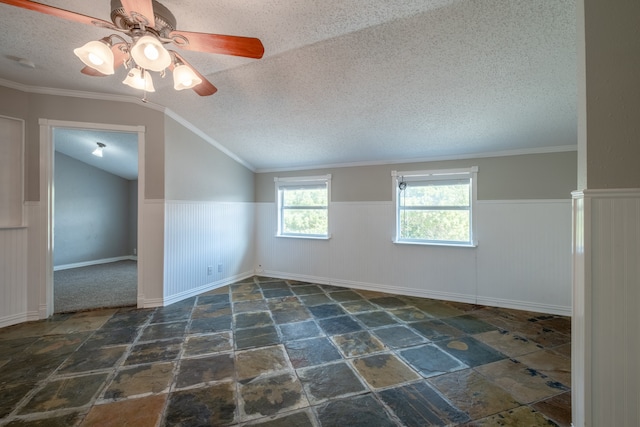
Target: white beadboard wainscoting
(606, 324)
(523, 258)
(203, 235)
(13, 276)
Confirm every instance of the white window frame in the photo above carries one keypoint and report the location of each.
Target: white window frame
(284, 182)
(470, 173)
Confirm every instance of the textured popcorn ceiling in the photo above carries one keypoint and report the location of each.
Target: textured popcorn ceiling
(346, 81)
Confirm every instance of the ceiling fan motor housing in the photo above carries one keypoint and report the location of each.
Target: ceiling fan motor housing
(165, 22)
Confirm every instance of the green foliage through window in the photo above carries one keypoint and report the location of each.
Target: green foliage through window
(303, 209)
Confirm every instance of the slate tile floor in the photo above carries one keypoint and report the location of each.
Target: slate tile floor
(275, 353)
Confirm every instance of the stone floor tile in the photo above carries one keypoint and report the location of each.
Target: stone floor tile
(171, 314)
(329, 381)
(410, 314)
(205, 344)
(159, 331)
(307, 290)
(418, 404)
(358, 411)
(398, 336)
(218, 367)
(11, 394)
(549, 363)
(508, 343)
(543, 336)
(252, 320)
(140, 380)
(326, 310)
(84, 321)
(249, 296)
(92, 359)
(375, 319)
(245, 306)
(155, 351)
(276, 293)
(270, 285)
(221, 290)
(212, 405)
(299, 330)
(470, 351)
(315, 299)
(472, 393)
(245, 288)
(556, 408)
(332, 288)
(260, 361)
(289, 312)
(436, 330)
(296, 419)
(66, 393)
(339, 325)
(564, 349)
(219, 300)
(143, 412)
(383, 370)
(521, 416)
(523, 383)
(58, 345)
(210, 310)
(469, 324)
(437, 309)
(310, 352)
(32, 367)
(265, 396)
(209, 325)
(102, 337)
(429, 360)
(343, 296)
(388, 302)
(358, 344)
(128, 318)
(358, 306)
(256, 337)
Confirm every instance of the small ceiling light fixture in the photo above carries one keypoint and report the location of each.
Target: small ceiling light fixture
(98, 151)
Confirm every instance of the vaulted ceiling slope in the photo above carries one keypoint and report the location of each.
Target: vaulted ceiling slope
(345, 81)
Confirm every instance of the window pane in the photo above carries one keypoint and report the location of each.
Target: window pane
(444, 225)
(450, 194)
(305, 197)
(305, 221)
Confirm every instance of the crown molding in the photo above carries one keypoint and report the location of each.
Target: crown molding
(503, 153)
(130, 99)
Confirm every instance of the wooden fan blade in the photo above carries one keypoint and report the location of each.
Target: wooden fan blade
(135, 8)
(118, 59)
(60, 13)
(203, 89)
(215, 43)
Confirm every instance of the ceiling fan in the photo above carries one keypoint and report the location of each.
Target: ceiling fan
(149, 26)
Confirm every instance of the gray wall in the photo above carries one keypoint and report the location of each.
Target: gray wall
(531, 176)
(195, 170)
(31, 107)
(92, 213)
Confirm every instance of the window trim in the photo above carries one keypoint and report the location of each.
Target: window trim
(470, 173)
(290, 181)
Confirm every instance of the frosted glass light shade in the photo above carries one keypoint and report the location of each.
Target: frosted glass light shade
(139, 80)
(97, 152)
(149, 54)
(97, 55)
(185, 78)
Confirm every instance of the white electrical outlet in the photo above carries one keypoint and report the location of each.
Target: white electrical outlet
(219, 268)
(209, 270)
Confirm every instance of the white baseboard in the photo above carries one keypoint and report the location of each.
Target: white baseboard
(204, 288)
(445, 296)
(14, 319)
(95, 262)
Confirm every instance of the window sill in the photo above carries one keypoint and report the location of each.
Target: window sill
(454, 245)
(295, 236)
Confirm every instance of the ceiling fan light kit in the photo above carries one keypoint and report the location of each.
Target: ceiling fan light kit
(150, 26)
(97, 55)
